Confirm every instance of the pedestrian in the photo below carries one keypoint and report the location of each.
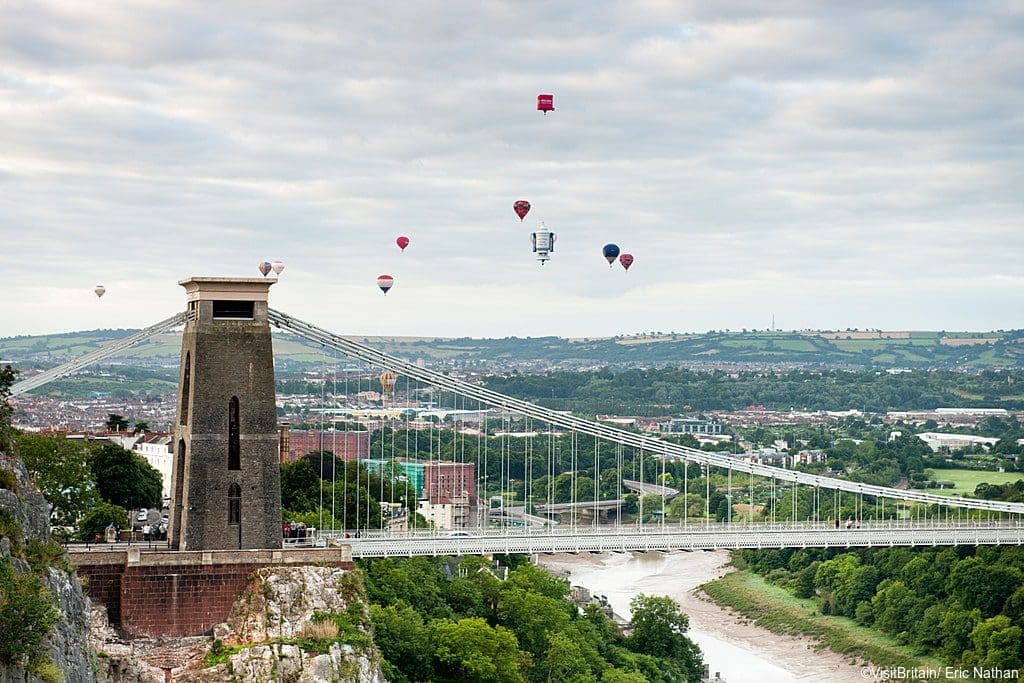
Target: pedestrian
(147, 533)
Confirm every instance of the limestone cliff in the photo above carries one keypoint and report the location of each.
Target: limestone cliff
(24, 536)
(298, 624)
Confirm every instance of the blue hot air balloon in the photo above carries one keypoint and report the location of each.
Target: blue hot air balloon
(611, 252)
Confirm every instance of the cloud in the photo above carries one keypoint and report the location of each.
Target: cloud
(747, 155)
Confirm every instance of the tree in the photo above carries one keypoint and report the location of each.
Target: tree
(996, 645)
(532, 617)
(99, 518)
(60, 468)
(115, 422)
(403, 640)
(27, 614)
(659, 629)
(300, 487)
(141, 427)
(7, 376)
(125, 478)
(471, 650)
(977, 584)
(564, 661)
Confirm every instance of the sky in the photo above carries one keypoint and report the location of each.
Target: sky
(833, 165)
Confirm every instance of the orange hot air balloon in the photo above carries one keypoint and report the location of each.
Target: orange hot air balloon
(387, 381)
(626, 260)
(522, 207)
(402, 242)
(265, 267)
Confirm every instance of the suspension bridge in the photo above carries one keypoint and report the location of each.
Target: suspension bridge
(521, 469)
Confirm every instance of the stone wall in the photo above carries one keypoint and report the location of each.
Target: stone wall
(167, 593)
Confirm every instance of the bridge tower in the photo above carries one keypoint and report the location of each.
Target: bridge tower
(226, 482)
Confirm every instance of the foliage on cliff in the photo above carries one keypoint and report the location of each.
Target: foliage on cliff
(433, 623)
(28, 611)
(964, 605)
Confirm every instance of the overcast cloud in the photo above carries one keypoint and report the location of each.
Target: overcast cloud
(834, 164)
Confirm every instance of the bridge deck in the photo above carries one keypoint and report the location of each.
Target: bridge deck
(675, 537)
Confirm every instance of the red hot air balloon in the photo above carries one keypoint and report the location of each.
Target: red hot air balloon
(522, 207)
(626, 260)
(385, 282)
(545, 103)
(265, 268)
(402, 242)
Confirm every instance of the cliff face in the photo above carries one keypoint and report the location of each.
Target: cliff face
(25, 516)
(305, 623)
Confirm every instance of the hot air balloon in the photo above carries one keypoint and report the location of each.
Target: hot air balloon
(402, 242)
(543, 243)
(100, 291)
(610, 251)
(387, 381)
(522, 207)
(265, 268)
(385, 282)
(626, 260)
(277, 267)
(545, 103)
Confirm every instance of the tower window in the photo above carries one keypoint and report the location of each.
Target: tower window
(243, 310)
(186, 382)
(234, 504)
(234, 447)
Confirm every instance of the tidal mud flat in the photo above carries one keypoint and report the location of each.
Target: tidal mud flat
(741, 651)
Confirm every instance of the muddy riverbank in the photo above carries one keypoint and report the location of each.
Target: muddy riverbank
(739, 650)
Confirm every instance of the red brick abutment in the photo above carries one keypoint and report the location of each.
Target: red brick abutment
(181, 593)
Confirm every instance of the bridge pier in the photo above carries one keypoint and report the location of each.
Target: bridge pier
(181, 593)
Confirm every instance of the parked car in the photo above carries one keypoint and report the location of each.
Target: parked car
(143, 515)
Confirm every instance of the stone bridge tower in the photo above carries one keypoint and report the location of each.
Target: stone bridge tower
(226, 482)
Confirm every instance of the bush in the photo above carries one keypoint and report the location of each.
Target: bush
(97, 521)
(8, 480)
(27, 613)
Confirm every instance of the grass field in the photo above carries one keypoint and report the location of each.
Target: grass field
(775, 609)
(967, 480)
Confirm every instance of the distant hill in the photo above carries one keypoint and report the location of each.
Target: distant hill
(835, 349)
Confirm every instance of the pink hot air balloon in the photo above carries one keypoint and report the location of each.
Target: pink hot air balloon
(626, 260)
(385, 282)
(402, 242)
(277, 267)
(265, 268)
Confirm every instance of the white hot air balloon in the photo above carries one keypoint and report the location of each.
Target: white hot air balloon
(277, 267)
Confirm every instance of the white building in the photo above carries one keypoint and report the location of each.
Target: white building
(808, 457)
(678, 425)
(767, 456)
(156, 449)
(457, 512)
(938, 441)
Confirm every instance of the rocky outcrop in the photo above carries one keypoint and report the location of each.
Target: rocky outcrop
(28, 516)
(266, 638)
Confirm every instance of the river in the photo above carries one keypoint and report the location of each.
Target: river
(740, 651)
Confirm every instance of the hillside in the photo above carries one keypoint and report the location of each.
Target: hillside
(844, 349)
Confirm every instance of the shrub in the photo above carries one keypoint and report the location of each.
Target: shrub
(27, 613)
(8, 480)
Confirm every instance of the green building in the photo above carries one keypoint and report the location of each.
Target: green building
(413, 471)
